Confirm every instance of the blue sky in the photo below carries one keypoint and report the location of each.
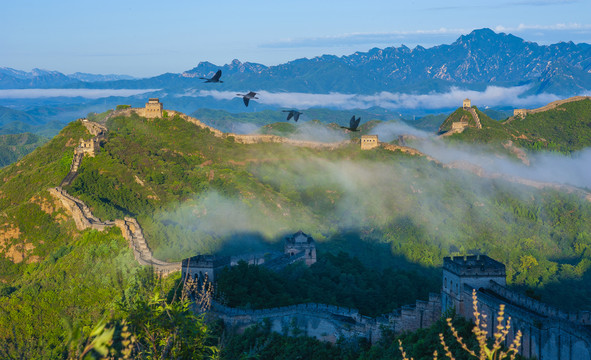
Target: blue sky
(147, 38)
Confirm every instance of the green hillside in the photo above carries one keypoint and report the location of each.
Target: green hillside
(566, 128)
(195, 193)
(460, 115)
(13, 147)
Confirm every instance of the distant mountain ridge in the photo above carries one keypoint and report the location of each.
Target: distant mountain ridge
(473, 61)
(38, 78)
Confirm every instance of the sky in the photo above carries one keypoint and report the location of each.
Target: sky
(147, 38)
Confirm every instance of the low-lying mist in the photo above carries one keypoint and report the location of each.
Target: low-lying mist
(492, 96)
(573, 169)
(422, 209)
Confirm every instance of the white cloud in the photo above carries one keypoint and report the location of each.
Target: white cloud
(432, 37)
(366, 38)
(545, 167)
(491, 96)
(560, 26)
(85, 93)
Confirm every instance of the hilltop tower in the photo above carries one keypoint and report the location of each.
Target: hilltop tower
(467, 104)
(519, 112)
(475, 271)
(204, 266)
(301, 244)
(369, 142)
(90, 147)
(153, 108)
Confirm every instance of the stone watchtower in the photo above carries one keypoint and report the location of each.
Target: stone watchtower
(204, 266)
(476, 271)
(90, 147)
(369, 142)
(302, 245)
(519, 112)
(153, 108)
(467, 104)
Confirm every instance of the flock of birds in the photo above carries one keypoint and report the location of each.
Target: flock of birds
(353, 123)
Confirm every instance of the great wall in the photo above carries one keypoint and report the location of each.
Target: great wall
(330, 323)
(520, 113)
(83, 217)
(548, 332)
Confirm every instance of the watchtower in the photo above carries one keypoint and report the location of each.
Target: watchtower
(369, 142)
(475, 271)
(89, 147)
(301, 244)
(467, 104)
(153, 108)
(203, 267)
(519, 112)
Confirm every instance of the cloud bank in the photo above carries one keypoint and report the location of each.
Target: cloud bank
(491, 96)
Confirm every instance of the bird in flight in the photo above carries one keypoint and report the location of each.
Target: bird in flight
(215, 78)
(246, 97)
(293, 114)
(353, 124)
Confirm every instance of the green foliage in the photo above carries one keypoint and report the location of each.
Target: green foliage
(175, 177)
(280, 128)
(14, 147)
(166, 328)
(100, 118)
(76, 285)
(337, 280)
(122, 107)
(459, 115)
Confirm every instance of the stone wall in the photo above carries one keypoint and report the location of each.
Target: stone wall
(79, 211)
(94, 128)
(476, 118)
(545, 335)
(578, 318)
(132, 231)
(329, 323)
(84, 219)
(550, 106)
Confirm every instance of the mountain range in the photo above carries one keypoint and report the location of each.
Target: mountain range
(38, 78)
(473, 61)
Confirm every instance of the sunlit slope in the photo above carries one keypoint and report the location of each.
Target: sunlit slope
(196, 193)
(50, 272)
(565, 128)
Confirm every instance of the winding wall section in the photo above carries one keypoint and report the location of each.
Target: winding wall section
(84, 218)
